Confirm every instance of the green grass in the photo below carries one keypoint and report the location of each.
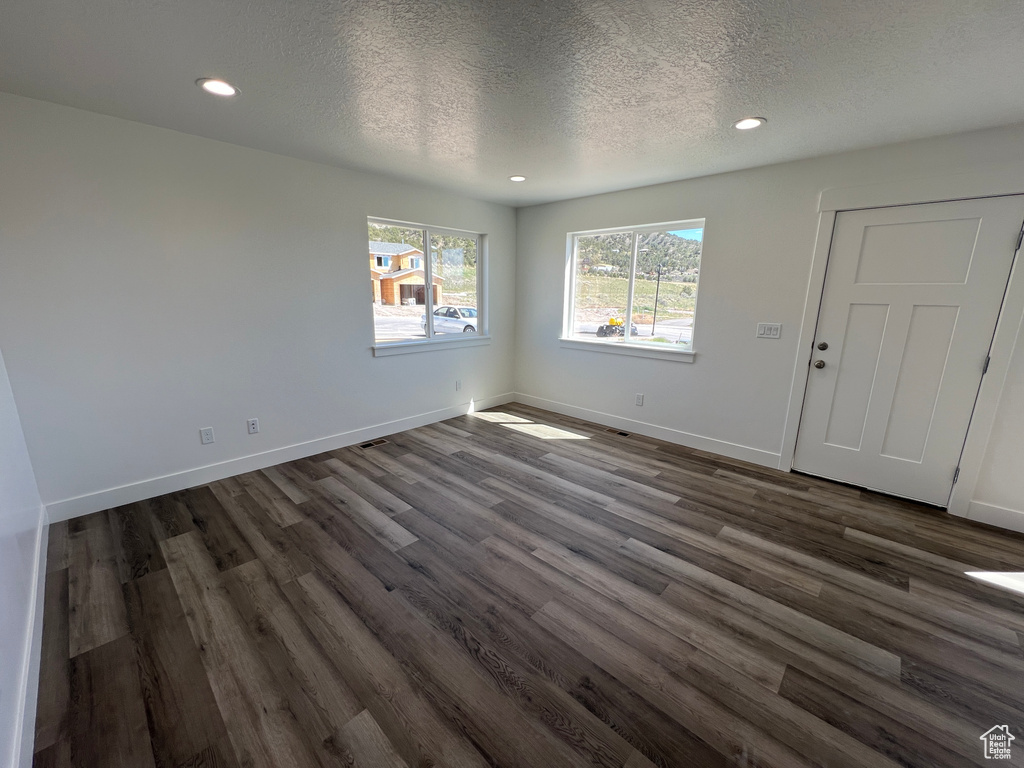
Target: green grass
(604, 292)
(459, 287)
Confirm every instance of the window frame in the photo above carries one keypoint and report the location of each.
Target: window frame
(627, 347)
(434, 340)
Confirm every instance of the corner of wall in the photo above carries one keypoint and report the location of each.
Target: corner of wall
(24, 735)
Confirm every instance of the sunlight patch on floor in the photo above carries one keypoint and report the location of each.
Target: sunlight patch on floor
(1011, 581)
(498, 417)
(527, 427)
(546, 432)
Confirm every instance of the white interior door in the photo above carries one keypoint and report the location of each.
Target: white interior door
(911, 299)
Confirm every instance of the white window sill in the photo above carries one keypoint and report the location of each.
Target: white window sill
(427, 345)
(631, 350)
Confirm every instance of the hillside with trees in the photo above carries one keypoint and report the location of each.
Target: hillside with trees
(677, 256)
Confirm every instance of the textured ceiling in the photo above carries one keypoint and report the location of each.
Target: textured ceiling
(581, 96)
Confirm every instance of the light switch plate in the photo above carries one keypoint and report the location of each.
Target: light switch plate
(769, 330)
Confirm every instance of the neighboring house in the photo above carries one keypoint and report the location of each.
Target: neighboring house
(397, 275)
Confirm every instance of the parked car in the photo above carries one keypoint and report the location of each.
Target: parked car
(452, 320)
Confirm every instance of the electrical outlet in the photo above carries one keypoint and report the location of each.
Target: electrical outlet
(253, 426)
(639, 398)
(206, 435)
(769, 330)
(458, 385)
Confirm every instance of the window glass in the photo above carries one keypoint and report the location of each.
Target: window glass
(665, 286)
(399, 297)
(601, 285)
(418, 298)
(648, 276)
(453, 260)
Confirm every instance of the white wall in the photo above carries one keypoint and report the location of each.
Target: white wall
(758, 247)
(999, 493)
(153, 283)
(20, 539)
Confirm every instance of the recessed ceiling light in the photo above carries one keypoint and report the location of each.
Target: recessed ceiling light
(216, 87)
(749, 122)
(517, 178)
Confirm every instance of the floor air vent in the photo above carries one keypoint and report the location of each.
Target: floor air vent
(373, 443)
(618, 432)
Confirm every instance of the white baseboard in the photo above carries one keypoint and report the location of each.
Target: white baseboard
(1011, 519)
(25, 733)
(157, 486)
(721, 447)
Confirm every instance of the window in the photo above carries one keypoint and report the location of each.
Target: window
(383, 261)
(404, 309)
(636, 287)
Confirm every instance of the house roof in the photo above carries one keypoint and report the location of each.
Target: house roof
(404, 272)
(392, 249)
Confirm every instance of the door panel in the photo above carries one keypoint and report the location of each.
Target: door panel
(890, 253)
(852, 393)
(918, 381)
(911, 299)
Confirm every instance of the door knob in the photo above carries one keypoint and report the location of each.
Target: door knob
(822, 345)
(819, 364)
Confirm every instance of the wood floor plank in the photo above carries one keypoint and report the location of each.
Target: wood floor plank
(964, 605)
(263, 536)
(518, 587)
(320, 698)
(533, 692)
(367, 516)
(223, 541)
(492, 609)
(369, 746)
(136, 542)
(57, 547)
(169, 518)
(693, 709)
(97, 614)
(420, 735)
(780, 572)
(180, 707)
(835, 642)
(377, 495)
(930, 558)
(286, 486)
(465, 694)
(567, 518)
(262, 728)
(595, 589)
(888, 697)
(886, 735)
(281, 509)
(111, 727)
(52, 704)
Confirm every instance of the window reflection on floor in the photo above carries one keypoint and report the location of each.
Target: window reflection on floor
(1007, 580)
(519, 424)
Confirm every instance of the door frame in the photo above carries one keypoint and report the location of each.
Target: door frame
(991, 182)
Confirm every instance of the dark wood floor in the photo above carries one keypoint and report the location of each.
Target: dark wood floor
(492, 591)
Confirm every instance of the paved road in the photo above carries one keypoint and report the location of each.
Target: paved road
(392, 328)
(673, 330)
